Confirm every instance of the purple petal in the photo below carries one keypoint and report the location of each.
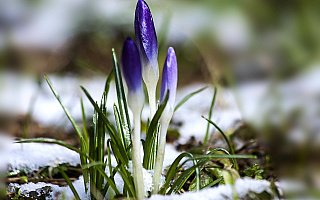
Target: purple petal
(131, 65)
(146, 34)
(169, 77)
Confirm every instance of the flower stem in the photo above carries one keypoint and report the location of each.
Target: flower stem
(159, 159)
(152, 99)
(136, 158)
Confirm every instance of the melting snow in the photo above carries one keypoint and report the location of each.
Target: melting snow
(32, 156)
(242, 186)
(225, 114)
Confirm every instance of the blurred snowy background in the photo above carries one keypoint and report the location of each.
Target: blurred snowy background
(264, 55)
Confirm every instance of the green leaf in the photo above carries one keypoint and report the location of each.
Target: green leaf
(254, 171)
(53, 141)
(108, 81)
(111, 130)
(122, 102)
(24, 179)
(149, 150)
(226, 138)
(210, 114)
(174, 168)
(108, 160)
(217, 156)
(85, 132)
(205, 180)
(83, 160)
(92, 164)
(65, 176)
(100, 142)
(109, 180)
(183, 177)
(120, 156)
(186, 98)
(128, 183)
(120, 129)
(73, 122)
(213, 183)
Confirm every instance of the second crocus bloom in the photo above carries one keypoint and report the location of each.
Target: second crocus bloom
(131, 69)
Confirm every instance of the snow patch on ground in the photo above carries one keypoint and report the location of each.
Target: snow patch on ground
(242, 186)
(55, 192)
(32, 156)
(225, 114)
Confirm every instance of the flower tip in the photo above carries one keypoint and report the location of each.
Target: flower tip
(169, 76)
(131, 65)
(129, 42)
(172, 54)
(142, 5)
(146, 38)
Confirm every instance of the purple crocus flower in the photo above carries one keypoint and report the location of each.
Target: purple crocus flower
(169, 82)
(169, 77)
(131, 69)
(131, 65)
(146, 41)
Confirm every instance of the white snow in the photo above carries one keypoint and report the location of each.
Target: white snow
(242, 186)
(5, 142)
(225, 112)
(32, 156)
(28, 187)
(56, 190)
(295, 93)
(46, 110)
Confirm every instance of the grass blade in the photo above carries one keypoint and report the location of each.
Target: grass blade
(53, 141)
(111, 129)
(186, 98)
(217, 156)
(149, 150)
(210, 114)
(85, 132)
(92, 164)
(225, 137)
(173, 170)
(122, 102)
(65, 176)
(129, 183)
(104, 174)
(83, 160)
(109, 157)
(73, 122)
(119, 125)
(177, 184)
(213, 183)
(108, 81)
(109, 180)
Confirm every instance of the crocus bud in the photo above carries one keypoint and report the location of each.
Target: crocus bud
(169, 81)
(147, 43)
(131, 69)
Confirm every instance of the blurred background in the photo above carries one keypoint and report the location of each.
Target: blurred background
(266, 52)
